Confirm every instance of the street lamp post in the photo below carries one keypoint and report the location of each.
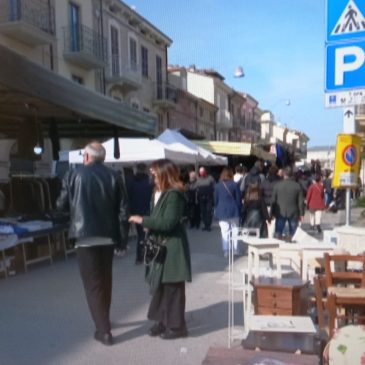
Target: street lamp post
(287, 102)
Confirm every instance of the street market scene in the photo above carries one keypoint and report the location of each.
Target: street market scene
(159, 205)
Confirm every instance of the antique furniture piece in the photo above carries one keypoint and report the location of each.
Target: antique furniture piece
(284, 296)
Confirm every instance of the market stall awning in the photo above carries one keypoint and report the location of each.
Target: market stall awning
(235, 148)
(177, 141)
(137, 150)
(28, 90)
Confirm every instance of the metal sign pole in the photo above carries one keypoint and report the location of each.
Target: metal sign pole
(349, 127)
(348, 207)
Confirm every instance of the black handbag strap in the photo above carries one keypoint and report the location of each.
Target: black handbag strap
(229, 192)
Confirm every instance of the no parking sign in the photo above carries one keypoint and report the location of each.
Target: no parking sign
(347, 163)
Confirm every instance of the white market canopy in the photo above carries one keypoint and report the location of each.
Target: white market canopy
(175, 140)
(134, 150)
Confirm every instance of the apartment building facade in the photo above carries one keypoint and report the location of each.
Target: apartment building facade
(237, 116)
(360, 120)
(193, 116)
(136, 72)
(251, 114)
(80, 70)
(192, 113)
(208, 85)
(325, 154)
(272, 133)
(236, 102)
(28, 28)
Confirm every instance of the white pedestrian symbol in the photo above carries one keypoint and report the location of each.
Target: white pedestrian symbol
(351, 20)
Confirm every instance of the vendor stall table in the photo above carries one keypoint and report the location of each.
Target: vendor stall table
(27, 238)
(60, 229)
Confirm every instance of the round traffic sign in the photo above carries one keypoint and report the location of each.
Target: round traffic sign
(349, 155)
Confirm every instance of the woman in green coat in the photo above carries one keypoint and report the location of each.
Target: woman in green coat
(167, 307)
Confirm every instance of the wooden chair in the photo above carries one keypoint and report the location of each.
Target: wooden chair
(340, 274)
(352, 301)
(345, 289)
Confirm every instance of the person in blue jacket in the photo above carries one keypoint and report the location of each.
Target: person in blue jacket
(140, 194)
(227, 204)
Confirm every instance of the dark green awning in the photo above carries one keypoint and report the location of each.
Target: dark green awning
(23, 79)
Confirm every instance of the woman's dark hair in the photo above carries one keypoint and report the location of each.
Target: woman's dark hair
(317, 178)
(253, 192)
(167, 174)
(239, 169)
(226, 174)
(273, 170)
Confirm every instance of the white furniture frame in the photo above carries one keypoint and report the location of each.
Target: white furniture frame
(304, 252)
(256, 247)
(236, 235)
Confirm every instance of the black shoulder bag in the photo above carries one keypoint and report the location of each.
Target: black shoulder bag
(153, 250)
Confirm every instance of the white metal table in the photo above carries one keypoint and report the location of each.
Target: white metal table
(311, 251)
(301, 252)
(260, 246)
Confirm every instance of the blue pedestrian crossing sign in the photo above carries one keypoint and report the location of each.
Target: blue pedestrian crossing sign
(345, 20)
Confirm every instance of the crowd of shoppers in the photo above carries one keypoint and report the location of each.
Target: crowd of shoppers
(160, 203)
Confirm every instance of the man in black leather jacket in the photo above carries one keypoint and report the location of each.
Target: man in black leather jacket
(97, 201)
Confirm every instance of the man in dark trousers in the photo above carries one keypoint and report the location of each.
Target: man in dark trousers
(97, 201)
(205, 193)
(139, 194)
(287, 204)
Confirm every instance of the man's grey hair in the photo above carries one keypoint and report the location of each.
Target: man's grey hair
(288, 172)
(258, 165)
(96, 151)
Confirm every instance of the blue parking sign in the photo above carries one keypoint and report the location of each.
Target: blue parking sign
(345, 20)
(345, 66)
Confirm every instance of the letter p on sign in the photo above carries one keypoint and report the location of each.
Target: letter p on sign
(347, 59)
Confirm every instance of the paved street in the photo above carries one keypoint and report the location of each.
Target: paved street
(44, 319)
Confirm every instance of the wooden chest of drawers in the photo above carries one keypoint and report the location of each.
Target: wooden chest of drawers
(280, 296)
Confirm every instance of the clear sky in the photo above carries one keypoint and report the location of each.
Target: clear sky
(279, 44)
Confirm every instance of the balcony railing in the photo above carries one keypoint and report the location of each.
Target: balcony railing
(129, 77)
(238, 121)
(22, 19)
(206, 129)
(224, 118)
(256, 126)
(84, 46)
(165, 95)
